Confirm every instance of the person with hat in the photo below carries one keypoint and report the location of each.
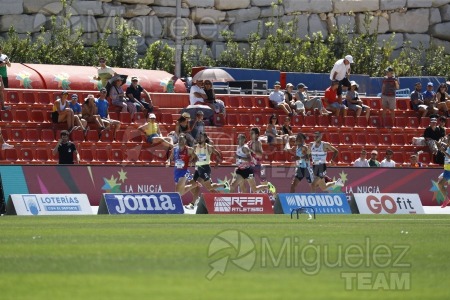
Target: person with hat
(134, 93)
(102, 109)
(104, 73)
(432, 134)
(341, 73)
(417, 102)
(354, 102)
(62, 113)
(429, 99)
(389, 85)
(119, 99)
(443, 99)
(153, 133)
(276, 98)
(289, 95)
(78, 118)
(309, 102)
(332, 102)
(183, 126)
(373, 162)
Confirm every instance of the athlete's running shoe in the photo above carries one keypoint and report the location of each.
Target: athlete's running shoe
(271, 188)
(189, 206)
(339, 182)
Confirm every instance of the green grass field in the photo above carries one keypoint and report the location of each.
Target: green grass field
(166, 257)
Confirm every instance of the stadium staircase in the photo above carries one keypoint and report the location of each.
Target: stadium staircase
(28, 127)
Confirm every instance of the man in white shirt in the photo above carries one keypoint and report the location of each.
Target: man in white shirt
(341, 72)
(362, 161)
(387, 162)
(197, 94)
(277, 99)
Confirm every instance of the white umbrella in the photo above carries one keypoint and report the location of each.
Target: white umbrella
(214, 75)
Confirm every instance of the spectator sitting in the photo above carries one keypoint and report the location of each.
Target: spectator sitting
(414, 161)
(286, 129)
(102, 109)
(417, 103)
(429, 99)
(104, 73)
(389, 86)
(118, 98)
(90, 113)
(64, 114)
(183, 126)
(216, 104)
(134, 93)
(198, 125)
(332, 102)
(288, 96)
(373, 162)
(197, 95)
(362, 161)
(273, 134)
(309, 102)
(153, 133)
(78, 118)
(442, 98)
(443, 125)
(432, 134)
(354, 102)
(277, 99)
(387, 162)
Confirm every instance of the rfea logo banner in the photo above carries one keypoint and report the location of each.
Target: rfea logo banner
(238, 203)
(153, 203)
(322, 203)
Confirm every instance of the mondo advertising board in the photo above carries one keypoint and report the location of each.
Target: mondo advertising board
(48, 204)
(235, 204)
(154, 203)
(322, 203)
(389, 203)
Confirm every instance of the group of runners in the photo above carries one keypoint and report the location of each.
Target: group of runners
(311, 164)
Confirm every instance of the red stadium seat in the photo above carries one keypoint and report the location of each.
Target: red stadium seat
(349, 121)
(146, 156)
(47, 135)
(107, 136)
(117, 155)
(38, 116)
(403, 104)
(297, 120)
(323, 121)
(400, 122)
(347, 139)
(17, 135)
(11, 155)
(372, 139)
(77, 136)
(232, 119)
(125, 117)
(101, 155)
(412, 122)
(29, 97)
(375, 121)
(12, 97)
(42, 155)
(385, 139)
(424, 122)
(43, 98)
(360, 139)
(26, 155)
(361, 121)
(333, 138)
(86, 156)
(133, 154)
(233, 102)
(258, 120)
(375, 103)
(309, 121)
(32, 135)
(346, 157)
(336, 121)
(6, 116)
(399, 139)
(21, 116)
(261, 102)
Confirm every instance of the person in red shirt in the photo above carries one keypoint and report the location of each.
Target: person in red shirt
(332, 102)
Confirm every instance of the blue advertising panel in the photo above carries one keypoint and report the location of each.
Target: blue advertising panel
(322, 203)
(153, 203)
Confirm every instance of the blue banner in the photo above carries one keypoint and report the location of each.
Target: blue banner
(322, 203)
(154, 203)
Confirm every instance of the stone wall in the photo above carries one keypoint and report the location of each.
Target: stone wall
(412, 20)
